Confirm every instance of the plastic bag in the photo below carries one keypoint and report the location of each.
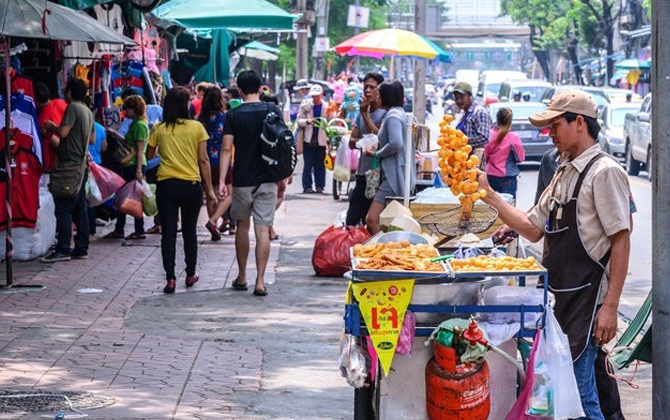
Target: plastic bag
(331, 256)
(128, 199)
(93, 195)
(508, 295)
(107, 181)
(406, 338)
(553, 366)
(368, 140)
(372, 179)
(342, 170)
(352, 362)
(149, 201)
(518, 411)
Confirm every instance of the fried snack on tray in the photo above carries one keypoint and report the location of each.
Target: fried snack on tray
(399, 256)
(484, 263)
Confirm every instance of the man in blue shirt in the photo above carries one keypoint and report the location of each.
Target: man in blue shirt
(95, 150)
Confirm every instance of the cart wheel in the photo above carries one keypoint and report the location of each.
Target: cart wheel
(337, 189)
(363, 403)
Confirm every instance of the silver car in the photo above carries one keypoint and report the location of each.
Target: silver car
(535, 140)
(611, 137)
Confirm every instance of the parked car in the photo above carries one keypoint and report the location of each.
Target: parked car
(490, 81)
(619, 95)
(637, 132)
(536, 141)
(612, 119)
(598, 94)
(532, 88)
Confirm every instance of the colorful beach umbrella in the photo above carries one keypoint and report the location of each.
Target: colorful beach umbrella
(393, 42)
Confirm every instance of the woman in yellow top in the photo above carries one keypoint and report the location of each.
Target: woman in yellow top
(182, 144)
(137, 139)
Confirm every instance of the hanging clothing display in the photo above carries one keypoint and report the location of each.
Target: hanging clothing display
(77, 52)
(127, 76)
(25, 181)
(24, 118)
(110, 15)
(22, 84)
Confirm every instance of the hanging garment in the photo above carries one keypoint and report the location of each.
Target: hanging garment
(77, 52)
(25, 182)
(22, 84)
(24, 117)
(127, 76)
(110, 15)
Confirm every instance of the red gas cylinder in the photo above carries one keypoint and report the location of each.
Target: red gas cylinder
(460, 395)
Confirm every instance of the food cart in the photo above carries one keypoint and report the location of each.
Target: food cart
(435, 297)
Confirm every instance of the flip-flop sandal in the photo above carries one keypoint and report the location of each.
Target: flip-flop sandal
(136, 236)
(274, 238)
(154, 230)
(113, 235)
(240, 287)
(263, 292)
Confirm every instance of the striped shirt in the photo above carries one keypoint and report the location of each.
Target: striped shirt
(476, 125)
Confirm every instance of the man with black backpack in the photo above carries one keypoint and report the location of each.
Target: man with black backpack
(264, 155)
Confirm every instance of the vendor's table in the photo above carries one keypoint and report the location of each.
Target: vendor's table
(401, 394)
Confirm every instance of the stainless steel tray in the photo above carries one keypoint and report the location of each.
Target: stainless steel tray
(482, 274)
(380, 275)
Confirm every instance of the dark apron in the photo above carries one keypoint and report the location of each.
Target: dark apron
(574, 277)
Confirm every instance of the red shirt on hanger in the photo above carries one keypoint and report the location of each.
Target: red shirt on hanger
(53, 111)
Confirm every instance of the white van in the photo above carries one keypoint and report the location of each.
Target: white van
(490, 82)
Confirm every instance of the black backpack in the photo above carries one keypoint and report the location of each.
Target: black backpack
(278, 151)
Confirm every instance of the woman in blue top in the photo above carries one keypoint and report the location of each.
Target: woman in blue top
(212, 118)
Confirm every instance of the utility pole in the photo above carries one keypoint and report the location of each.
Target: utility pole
(304, 24)
(319, 69)
(420, 64)
(357, 59)
(660, 239)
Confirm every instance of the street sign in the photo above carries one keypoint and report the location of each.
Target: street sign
(321, 44)
(358, 16)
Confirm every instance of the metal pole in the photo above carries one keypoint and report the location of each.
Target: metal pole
(409, 159)
(419, 104)
(357, 60)
(9, 244)
(660, 158)
(301, 42)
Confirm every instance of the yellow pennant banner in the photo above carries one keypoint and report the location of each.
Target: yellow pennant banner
(383, 305)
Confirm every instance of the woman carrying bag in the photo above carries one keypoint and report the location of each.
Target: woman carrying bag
(391, 152)
(133, 160)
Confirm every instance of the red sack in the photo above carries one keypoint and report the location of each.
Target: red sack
(128, 199)
(331, 256)
(107, 181)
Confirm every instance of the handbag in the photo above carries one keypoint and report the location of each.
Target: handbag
(123, 153)
(372, 177)
(66, 178)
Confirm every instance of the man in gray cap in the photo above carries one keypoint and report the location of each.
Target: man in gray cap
(584, 216)
(476, 122)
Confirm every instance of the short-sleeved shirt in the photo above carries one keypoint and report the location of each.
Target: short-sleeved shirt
(138, 132)
(365, 161)
(215, 132)
(178, 148)
(53, 111)
(73, 148)
(95, 150)
(245, 124)
(603, 205)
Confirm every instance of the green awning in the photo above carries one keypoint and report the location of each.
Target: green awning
(218, 67)
(198, 14)
(255, 45)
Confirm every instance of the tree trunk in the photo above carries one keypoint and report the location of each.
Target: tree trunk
(541, 55)
(572, 53)
(608, 30)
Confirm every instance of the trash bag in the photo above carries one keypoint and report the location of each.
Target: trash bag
(342, 170)
(518, 411)
(93, 194)
(128, 199)
(556, 394)
(107, 181)
(149, 200)
(331, 256)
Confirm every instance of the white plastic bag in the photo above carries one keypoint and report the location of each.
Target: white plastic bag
(368, 140)
(342, 170)
(93, 195)
(510, 295)
(556, 394)
(352, 361)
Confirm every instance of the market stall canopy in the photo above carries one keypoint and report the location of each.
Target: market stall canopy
(260, 51)
(196, 14)
(633, 64)
(393, 42)
(47, 20)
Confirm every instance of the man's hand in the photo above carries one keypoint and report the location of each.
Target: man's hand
(606, 322)
(504, 235)
(289, 180)
(49, 125)
(138, 175)
(365, 105)
(484, 184)
(223, 191)
(212, 198)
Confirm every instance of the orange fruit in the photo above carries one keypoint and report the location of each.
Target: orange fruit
(467, 148)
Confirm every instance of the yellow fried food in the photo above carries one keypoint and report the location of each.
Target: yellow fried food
(485, 263)
(396, 256)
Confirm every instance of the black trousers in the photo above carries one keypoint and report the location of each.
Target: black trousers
(172, 196)
(358, 203)
(68, 210)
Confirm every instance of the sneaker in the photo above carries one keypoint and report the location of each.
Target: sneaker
(319, 190)
(308, 191)
(55, 257)
(79, 255)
